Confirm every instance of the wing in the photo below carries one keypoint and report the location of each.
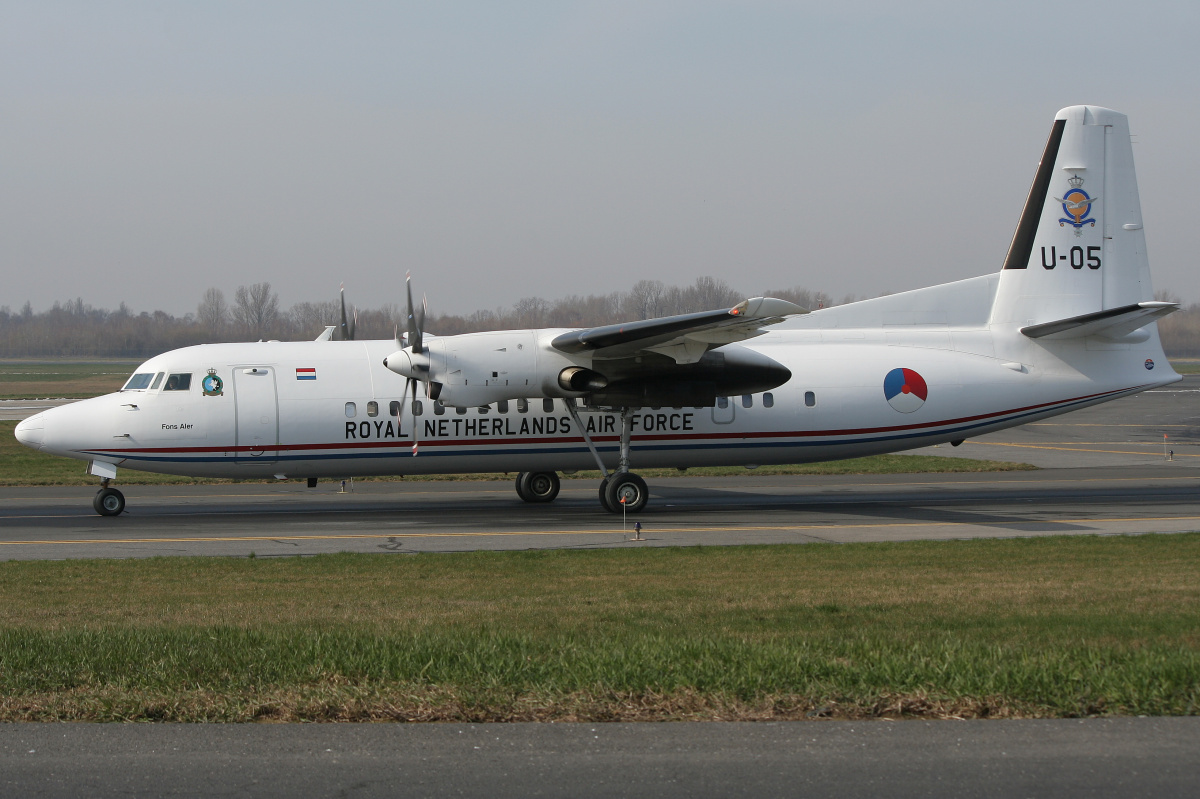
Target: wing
(684, 338)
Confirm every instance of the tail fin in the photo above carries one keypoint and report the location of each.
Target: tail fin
(1079, 248)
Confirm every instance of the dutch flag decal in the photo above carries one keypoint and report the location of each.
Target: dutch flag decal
(905, 390)
(306, 373)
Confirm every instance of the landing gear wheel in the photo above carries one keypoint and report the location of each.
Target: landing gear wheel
(538, 486)
(109, 502)
(604, 495)
(628, 487)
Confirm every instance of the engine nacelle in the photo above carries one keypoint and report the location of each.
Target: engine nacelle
(475, 369)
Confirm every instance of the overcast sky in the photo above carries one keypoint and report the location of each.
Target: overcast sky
(507, 149)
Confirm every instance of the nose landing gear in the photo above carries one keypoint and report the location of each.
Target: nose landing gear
(109, 501)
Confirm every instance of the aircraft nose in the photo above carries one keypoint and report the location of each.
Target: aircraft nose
(32, 431)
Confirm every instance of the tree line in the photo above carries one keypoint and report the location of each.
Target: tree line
(76, 329)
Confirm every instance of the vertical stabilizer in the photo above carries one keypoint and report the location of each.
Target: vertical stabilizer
(1079, 247)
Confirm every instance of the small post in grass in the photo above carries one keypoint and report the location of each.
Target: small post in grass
(1165, 447)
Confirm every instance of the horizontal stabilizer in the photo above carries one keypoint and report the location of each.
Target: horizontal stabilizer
(685, 337)
(1113, 323)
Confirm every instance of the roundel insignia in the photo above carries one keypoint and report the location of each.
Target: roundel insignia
(905, 390)
(1149, 363)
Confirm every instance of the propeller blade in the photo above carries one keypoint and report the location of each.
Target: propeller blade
(414, 330)
(346, 329)
(416, 441)
(419, 345)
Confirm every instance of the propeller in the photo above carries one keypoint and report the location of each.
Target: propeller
(413, 361)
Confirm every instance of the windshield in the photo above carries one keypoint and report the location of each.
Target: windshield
(139, 381)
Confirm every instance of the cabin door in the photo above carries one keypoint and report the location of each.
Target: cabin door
(257, 414)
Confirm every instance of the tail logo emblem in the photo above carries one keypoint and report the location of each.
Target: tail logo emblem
(905, 390)
(1077, 205)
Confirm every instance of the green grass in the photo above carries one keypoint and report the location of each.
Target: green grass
(1049, 627)
(68, 379)
(1186, 366)
(22, 466)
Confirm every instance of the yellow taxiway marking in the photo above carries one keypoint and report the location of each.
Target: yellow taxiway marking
(519, 533)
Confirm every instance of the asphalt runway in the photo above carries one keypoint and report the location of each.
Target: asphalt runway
(288, 519)
(1053, 758)
(1104, 471)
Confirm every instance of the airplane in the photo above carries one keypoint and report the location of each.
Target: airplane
(1067, 322)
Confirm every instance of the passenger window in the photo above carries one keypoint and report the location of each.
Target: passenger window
(139, 382)
(372, 408)
(178, 382)
(461, 410)
(438, 408)
(522, 406)
(351, 410)
(747, 400)
(418, 408)
(484, 409)
(722, 402)
(394, 408)
(810, 399)
(157, 379)
(502, 406)
(548, 405)
(768, 400)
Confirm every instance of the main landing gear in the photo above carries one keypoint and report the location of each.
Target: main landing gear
(537, 486)
(620, 492)
(108, 501)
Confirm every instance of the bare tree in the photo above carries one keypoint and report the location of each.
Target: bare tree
(256, 309)
(530, 312)
(645, 299)
(213, 311)
(707, 294)
(308, 319)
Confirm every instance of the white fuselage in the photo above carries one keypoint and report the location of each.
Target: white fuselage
(329, 409)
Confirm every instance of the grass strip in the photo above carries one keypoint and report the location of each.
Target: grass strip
(62, 379)
(1048, 627)
(22, 466)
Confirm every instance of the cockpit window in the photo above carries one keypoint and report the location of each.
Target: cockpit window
(157, 379)
(178, 382)
(139, 382)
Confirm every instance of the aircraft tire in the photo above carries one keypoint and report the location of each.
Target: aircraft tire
(521, 488)
(109, 502)
(604, 495)
(629, 487)
(540, 486)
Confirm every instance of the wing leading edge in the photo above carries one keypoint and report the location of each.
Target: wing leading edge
(683, 338)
